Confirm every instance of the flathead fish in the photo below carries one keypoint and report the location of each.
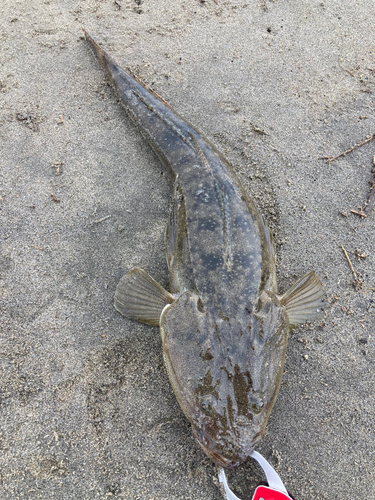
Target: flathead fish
(224, 327)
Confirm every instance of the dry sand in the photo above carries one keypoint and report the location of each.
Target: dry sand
(87, 410)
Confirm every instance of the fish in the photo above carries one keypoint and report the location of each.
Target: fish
(224, 326)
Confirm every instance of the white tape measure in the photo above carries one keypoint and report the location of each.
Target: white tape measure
(274, 491)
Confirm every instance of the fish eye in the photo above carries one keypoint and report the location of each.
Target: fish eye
(256, 403)
(257, 407)
(207, 404)
(206, 407)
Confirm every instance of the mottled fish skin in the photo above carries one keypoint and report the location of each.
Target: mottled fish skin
(225, 336)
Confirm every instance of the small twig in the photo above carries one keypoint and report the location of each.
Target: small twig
(349, 262)
(360, 255)
(357, 282)
(360, 213)
(370, 198)
(348, 71)
(258, 130)
(372, 190)
(330, 159)
(55, 198)
(100, 220)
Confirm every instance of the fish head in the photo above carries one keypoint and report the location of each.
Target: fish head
(226, 371)
(237, 395)
(228, 444)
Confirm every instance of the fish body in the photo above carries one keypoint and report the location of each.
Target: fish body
(224, 327)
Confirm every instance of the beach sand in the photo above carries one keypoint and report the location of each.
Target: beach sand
(87, 410)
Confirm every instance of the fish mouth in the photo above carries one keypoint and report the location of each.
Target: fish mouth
(219, 459)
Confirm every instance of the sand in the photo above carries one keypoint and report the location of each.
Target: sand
(87, 410)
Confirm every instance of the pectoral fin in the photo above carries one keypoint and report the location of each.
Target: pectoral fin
(303, 299)
(140, 297)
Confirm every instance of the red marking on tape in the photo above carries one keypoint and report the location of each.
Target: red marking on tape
(265, 493)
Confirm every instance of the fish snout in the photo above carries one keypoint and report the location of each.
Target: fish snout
(227, 461)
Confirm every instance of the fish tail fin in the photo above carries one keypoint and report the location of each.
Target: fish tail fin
(98, 50)
(140, 297)
(107, 62)
(126, 86)
(303, 299)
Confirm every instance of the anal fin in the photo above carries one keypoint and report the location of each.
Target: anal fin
(140, 297)
(303, 300)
